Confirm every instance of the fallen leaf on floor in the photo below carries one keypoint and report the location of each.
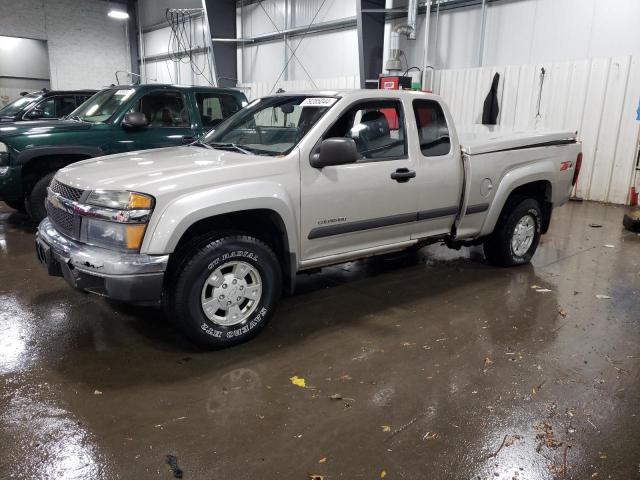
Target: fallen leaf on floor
(97, 392)
(316, 477)
(602, 297)
(535, 287)
(595, 225)
(346, 377)
(298, 381)
(487, 361)
(562, 313)
(543, 290)
(610, 246)
(323, 460)
(386, 428)
(383, 474)
(430, 436)
(335, 396)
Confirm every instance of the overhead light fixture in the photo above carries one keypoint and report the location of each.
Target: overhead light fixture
(119, 14)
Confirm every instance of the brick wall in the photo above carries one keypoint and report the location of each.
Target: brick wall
(85, 46)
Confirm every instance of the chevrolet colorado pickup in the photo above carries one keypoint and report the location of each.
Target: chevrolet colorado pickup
(115, 120)
(216, 230)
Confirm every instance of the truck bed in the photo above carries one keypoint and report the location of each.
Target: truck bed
(480, 139)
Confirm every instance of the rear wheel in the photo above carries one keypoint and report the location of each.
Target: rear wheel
(223, 290)
(517, 233)
(34, 202)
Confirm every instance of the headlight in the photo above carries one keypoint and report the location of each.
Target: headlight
(4, 155)
(116, 219)
(120, 200)
(114, 236)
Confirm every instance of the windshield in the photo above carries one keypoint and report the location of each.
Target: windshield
(102, 105)
(271, 125)
(14, 107)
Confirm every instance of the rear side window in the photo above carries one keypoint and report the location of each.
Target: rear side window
(377, 127)
(432, 128)
(65, 105)
(215, 107)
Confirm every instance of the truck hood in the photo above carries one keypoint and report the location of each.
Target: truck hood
(167, 171)
(39, 127)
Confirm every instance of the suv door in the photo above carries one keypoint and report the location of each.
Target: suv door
(439, 170)
(167, 112)
(359, 206)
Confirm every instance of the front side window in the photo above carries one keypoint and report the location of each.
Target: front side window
(65, 105)
(215, 107)
(271, 125)
(432, 128)
(103, 105)
(377, 127)
(45, 109)
(165, 109)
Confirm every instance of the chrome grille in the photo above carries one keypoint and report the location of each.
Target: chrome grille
(61, 219)
(66, 191)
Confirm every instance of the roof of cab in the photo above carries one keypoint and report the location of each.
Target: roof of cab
(156, 86)
(362, 93)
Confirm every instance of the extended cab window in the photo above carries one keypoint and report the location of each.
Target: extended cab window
(377, 127)
(164, 109)
(432, 128)
(215, 107)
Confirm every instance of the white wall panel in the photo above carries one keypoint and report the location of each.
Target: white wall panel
(598, 98)
(261, 89)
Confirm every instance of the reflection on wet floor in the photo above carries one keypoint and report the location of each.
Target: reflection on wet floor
(431, 365)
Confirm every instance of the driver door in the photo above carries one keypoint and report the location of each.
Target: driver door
(359, 206)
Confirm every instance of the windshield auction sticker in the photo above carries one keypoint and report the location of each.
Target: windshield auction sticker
(318, 102)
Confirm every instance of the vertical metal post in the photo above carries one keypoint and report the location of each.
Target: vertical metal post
(284, 39)
(370, 39)
(483, 27)
(143, 65)
(209, 46)
(425, 55)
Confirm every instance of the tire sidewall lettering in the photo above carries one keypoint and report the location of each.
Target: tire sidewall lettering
(231, 255)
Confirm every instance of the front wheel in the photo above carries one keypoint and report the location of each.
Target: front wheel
(516, 235)
(223, 291)
(34, 202)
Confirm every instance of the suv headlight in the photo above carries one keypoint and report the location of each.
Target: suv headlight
(116, 220)
(4, 158)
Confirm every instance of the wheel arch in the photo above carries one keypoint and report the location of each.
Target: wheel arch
(535, 185)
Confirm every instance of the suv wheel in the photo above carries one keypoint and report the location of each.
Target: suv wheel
(34, 202)
(223, 290)
(16, 205)
(517, 233)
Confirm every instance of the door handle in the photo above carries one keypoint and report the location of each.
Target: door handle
(403, 175)
(188, 139)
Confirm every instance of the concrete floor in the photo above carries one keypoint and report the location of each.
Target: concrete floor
(446, 368)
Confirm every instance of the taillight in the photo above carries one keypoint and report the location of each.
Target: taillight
(576, 172)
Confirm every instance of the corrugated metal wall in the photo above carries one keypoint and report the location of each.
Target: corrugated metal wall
(261, 89)
(597, 98)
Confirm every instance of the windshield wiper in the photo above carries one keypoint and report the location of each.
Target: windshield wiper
(199, 143)
(75, 118)
(231, 145)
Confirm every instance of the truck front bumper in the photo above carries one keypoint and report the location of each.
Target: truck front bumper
(129, 277)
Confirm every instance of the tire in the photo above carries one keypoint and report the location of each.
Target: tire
(203, 260)
(16, 205)
(499, 247)
(34, 202)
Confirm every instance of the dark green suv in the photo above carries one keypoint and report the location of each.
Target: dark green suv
(115, 120)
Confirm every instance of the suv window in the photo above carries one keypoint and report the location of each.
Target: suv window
(377, 127)
(215, 107)
(164, 109)
(432, 128)
(65, 105)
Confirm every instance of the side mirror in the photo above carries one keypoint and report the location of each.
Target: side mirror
(135, 120)
(35, 113)
(335, 151)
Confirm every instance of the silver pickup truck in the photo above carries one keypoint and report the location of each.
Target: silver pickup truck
(217, 230)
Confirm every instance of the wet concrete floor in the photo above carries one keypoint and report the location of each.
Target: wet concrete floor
(440, 367)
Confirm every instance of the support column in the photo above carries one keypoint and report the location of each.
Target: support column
(221, 15)
(370, 40)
